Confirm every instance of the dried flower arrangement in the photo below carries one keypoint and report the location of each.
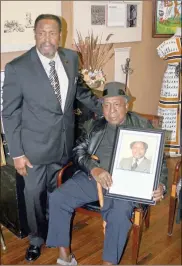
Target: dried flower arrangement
(93, 56)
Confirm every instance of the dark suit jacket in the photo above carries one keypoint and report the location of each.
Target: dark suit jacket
(33, 121)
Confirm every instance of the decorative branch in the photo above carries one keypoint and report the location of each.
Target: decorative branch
(93, 55)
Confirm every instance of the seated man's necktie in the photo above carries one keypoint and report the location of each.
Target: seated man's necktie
(134, 166)
(53, 77)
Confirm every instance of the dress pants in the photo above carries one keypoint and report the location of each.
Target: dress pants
(76, 192)
(39, 183)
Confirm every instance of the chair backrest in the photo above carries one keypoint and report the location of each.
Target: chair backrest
(176, 177)
(154, 119)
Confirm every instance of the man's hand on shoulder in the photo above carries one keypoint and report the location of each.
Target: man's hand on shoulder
(102, 176)
(21, 163)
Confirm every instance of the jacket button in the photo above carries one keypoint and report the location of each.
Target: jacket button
(63, 130)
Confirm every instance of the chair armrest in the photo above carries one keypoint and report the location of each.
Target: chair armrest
(176, 174)
(176, 178)
(137, 214)
(61, 172)
(100, 195)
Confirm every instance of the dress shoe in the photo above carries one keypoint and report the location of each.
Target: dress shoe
(32, 253)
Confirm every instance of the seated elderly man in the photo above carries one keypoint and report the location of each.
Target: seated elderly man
(98, 140)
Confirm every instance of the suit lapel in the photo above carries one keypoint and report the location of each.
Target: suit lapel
(45, 84)
(130, 162)
(68, 66)
(142, 165)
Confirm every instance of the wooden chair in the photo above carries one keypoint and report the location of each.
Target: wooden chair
(140, 217)
(3, 245)
(173, 197)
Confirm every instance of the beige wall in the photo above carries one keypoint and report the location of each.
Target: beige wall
(145, 81)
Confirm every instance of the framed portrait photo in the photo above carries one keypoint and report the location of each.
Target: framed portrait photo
(166, 18)
(136, 164)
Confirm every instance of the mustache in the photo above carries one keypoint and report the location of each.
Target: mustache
(47, 44)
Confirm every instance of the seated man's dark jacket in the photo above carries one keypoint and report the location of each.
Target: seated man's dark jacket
(93, 132)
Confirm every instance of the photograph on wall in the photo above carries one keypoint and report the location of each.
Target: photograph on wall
(166, 17)
(136, 160)
(131, 15)
(98, 15)
(15, 26)
(115, 20)
(17, 22)
(116, 14)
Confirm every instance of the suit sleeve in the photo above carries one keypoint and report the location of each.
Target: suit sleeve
(12, 111)
(86, 96)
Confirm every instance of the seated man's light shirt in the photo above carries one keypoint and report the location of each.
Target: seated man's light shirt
(62, 76)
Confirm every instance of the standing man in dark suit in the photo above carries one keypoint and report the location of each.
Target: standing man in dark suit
(39, 90)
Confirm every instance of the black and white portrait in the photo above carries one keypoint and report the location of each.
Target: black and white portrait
(136, 152)
(131, 15)
(137, 161)
(98, 15)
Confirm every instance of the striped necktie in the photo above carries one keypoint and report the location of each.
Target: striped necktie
(134, 166)
(53, 77)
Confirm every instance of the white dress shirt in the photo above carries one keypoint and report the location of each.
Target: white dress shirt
(62, 76)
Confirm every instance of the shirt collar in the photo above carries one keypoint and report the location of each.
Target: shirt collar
(139, 160)
(44, 59)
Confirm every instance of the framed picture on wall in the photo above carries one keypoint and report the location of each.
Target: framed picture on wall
(166, 17)
(136, 164)
(17, 22)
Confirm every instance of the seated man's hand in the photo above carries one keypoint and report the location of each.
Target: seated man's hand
(102, 176)
(158, 193)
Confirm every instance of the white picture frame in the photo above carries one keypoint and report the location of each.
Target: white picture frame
(136, 184)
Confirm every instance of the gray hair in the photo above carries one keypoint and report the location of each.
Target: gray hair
(145, 145)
